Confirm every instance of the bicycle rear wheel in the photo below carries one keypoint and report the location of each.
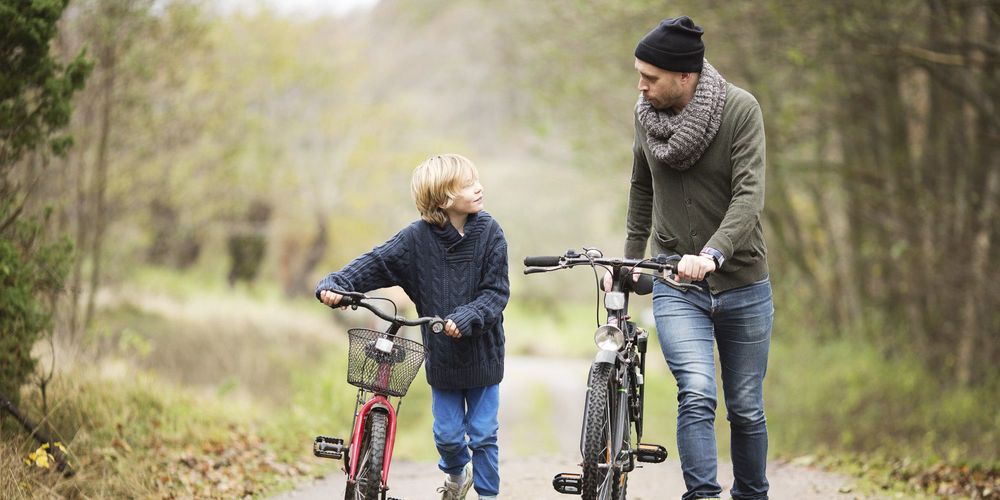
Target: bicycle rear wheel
(368, 481)
(601, 478)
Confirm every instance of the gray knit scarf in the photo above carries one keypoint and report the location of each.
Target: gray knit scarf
(679, 139)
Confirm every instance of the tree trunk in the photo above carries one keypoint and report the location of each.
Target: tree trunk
(101, 179)
(316, 251)
(975, 324)
(82, 222)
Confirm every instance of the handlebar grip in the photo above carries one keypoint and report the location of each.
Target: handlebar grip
(347, 298)
(644, 286)
(345, 301)
(542, 261)
(437, 325)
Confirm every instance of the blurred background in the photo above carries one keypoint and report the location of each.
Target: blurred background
(176, 175)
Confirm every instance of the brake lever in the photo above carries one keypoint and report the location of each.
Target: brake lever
(533, 270)
(677, 285)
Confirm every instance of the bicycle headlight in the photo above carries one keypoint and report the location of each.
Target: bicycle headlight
(383, 344)
(614, 300)
(609, 338)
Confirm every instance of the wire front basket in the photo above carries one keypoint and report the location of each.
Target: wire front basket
(382, 363)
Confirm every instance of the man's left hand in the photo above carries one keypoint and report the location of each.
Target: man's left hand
(694, 267)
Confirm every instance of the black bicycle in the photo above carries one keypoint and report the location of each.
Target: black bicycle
(615, 389)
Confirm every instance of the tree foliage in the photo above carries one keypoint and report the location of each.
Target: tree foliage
(35, 90)
(35, 107)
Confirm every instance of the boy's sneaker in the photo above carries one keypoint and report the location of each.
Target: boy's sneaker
(457, 490)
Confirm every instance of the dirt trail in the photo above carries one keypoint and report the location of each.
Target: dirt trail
(533, 452)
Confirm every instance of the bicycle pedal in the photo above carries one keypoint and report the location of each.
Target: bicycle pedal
(650, 453)
(328, 447)
(568, 483)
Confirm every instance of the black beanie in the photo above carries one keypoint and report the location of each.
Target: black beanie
(674, 45)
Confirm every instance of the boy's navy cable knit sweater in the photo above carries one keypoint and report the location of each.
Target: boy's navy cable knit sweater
(462, 278)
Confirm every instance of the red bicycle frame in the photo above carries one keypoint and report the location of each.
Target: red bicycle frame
(378, 402)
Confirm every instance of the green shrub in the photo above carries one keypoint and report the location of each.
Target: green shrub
(31, 274)
(845, 396)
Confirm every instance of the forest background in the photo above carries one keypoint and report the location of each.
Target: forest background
(176, 175)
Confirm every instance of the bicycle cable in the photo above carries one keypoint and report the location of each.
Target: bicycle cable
(597, 279)
(395, 310)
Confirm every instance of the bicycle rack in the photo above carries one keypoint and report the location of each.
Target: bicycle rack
(328, 447)
(650, 453)
(568, 483)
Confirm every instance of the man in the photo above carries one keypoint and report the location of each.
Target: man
(698, 187)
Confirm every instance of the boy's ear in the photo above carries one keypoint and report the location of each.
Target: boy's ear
(447, 204)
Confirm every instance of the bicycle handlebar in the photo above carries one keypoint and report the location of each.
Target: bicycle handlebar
(660, 263)
(355, 300)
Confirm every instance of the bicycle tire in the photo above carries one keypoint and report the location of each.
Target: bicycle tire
(597, 434)
(368, 481)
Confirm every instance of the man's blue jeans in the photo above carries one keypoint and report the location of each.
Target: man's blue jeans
(688, 325)
(465, 422)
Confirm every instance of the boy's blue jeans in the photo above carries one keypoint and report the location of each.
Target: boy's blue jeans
(688, 326)
(465, 423)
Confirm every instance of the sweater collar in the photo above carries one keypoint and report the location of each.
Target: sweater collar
(473, 226)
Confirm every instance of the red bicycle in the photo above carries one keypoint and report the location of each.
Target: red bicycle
(381, 365)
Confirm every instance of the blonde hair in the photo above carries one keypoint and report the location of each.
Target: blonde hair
(437, 181)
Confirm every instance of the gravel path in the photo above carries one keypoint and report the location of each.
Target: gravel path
(529, 460)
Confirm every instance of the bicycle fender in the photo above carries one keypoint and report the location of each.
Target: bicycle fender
(606, 357)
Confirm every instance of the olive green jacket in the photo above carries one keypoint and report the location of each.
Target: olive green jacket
(716, 203)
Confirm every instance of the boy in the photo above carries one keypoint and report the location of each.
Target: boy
(452, 263)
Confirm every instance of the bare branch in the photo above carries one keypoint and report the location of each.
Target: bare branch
(931, 56)
(38, 434)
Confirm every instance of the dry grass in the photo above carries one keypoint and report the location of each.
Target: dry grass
(130, 434)
(176, 397)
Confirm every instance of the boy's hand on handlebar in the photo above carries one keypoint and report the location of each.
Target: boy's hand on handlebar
(451, 329)
(331, 299)
(606, 281)
(694, 268)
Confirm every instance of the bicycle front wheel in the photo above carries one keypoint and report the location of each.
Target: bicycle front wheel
(368, 481)
(602, 480)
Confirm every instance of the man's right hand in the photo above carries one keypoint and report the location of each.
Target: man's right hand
(331, 299)
(606, 281)
(694, 268)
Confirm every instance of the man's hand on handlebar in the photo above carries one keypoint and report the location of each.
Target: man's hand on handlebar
(331, 299)
(451, 329)
(694, 268)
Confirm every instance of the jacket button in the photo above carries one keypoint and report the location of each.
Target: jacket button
(694, 233)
